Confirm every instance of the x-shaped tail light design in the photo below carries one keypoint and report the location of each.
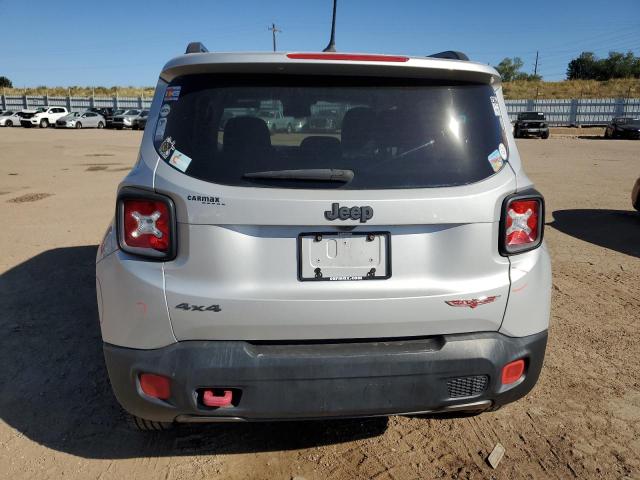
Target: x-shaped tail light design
(519, 222)
(146, 224)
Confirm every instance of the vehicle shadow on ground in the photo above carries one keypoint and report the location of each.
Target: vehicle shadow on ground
(617, 230)
(54, 387)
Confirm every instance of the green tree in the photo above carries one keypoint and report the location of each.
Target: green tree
(5, 82)
(509, 70)
(617, 65)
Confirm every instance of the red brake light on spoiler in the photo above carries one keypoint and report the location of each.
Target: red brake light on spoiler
(146, 224)
(348, 57)
(522, 223)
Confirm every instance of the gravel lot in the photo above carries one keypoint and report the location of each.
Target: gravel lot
(58, 416)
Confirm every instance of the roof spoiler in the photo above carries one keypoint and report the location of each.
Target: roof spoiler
(451, 55)
(196, 47)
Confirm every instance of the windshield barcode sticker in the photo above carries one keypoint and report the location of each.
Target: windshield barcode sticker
(496, 106)
(162, 125)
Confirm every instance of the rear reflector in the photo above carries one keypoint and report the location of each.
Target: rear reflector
(522, 224)
(347, 57)
(512, 372)
(155, 386)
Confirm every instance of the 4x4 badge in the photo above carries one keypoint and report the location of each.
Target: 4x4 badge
(349, 213)
(472, 302)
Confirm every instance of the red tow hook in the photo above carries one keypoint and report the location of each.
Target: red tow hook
(210, 399)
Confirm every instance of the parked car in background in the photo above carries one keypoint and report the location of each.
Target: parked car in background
(106, 112)
(635, 195)
(531, 124)
(42, 117)
(395, 267)
(324, 121)
(109, 119)
(10, 118)
(140, 121)
(623, 127)
(126, 119)
(276, 121)
(87, 119)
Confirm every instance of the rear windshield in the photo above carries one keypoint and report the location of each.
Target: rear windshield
(330, 132)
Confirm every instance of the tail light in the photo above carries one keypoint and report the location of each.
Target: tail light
(522, 223)
(146, 224)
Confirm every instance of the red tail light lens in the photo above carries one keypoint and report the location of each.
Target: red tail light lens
(146, 225)
(522, 224)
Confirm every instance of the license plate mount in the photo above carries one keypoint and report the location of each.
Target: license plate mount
(344, 256)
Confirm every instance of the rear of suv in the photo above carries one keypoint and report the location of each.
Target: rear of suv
(394, 265)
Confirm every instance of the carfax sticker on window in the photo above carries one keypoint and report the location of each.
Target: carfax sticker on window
(172, 93)
(180, 160)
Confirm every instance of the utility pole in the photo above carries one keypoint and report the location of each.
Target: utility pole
(274, 30)
(535, 69)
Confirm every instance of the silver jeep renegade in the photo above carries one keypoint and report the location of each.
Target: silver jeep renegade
(390, 262)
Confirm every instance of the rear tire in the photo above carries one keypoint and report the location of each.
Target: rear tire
(142, 425)
(516, 133)
(8, 123)
(44, 123)
(78, 126)
(100, 125)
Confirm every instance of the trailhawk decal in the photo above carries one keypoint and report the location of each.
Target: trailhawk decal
(473, 302)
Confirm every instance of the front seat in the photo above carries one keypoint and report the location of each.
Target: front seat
(358, 126)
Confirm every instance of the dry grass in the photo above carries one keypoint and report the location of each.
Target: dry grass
(83, 91)
(619, 88)
(512, 90)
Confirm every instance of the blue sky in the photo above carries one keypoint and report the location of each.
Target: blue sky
(71, 42)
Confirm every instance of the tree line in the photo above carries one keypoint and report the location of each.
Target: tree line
(587, 66)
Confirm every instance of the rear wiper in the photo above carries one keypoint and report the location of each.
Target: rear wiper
(317, 174)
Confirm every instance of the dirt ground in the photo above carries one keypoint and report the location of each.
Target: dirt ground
(58, 417)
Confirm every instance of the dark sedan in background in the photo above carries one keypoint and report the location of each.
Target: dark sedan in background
(623, 127)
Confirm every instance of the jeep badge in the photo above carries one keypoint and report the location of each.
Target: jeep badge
(345, 213)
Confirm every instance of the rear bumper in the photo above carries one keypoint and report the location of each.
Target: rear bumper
(321, 380)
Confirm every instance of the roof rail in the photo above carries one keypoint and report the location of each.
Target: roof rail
(196, 47)
(451, 55)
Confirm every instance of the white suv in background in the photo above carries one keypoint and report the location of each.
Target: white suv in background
(43, 116)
